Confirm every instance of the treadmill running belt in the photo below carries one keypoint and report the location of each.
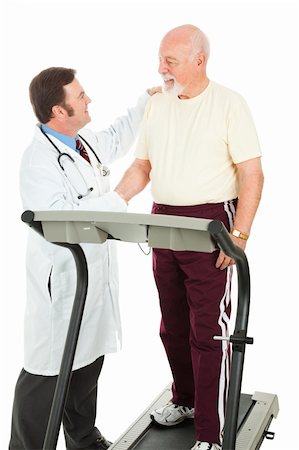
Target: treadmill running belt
(182, 436)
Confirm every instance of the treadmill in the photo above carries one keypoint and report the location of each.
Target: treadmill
(247, 417)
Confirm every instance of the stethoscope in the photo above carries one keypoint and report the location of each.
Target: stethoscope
(103, 169)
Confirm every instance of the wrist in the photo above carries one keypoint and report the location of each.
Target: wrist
(121, 195)
(239, 234)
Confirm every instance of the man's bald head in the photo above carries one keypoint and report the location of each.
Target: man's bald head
(190, 37)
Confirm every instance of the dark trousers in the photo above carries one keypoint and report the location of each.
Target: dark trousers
(195, 306)
(32, 405)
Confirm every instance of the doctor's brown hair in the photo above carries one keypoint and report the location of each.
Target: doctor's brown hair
(46, 90)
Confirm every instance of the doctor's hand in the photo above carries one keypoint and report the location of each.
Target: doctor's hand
(154, 90)
(224, 261)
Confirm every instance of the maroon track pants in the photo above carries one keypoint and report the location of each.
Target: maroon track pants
(195, 306)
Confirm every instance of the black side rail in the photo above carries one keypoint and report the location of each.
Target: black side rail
(65, 371)
(239, 339)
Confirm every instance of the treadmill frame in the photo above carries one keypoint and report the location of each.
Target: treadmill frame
(69, 228)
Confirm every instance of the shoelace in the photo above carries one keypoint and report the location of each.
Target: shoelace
(182, 409)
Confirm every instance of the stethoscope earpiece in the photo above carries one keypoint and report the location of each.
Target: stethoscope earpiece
(81, 196)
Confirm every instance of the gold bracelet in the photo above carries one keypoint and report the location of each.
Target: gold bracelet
(239, 234)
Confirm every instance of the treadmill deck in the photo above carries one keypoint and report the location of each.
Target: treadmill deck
(255, 414)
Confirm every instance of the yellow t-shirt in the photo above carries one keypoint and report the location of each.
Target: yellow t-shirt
(194, 144)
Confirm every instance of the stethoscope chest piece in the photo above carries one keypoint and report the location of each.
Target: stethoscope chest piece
(105, 172)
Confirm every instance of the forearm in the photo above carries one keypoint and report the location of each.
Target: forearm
(134, 180)
(250, 191)
(251, 180)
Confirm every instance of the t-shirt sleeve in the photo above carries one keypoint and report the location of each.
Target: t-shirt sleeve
(243, 143)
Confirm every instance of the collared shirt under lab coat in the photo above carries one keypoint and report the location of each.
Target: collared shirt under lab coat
(51, 272)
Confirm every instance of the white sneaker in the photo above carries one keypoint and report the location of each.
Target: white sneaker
(172, 414)
(205, 446)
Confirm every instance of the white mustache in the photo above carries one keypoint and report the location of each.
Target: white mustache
(168, 78)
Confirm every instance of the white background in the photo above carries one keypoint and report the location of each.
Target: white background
(114, 45)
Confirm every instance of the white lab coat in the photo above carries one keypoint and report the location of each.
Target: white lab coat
(51, 272)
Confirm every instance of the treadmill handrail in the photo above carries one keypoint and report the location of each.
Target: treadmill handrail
(239, 338)
(223, 239)
(65, 370)
(219, 233)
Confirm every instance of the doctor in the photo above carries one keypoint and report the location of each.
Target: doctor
(64, 170)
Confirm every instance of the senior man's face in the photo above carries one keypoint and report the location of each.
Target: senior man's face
(176, 66)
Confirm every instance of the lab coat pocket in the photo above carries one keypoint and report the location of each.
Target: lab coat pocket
(63, 289)
(49, 283)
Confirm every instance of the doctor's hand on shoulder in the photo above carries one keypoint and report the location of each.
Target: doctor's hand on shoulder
(154, 90)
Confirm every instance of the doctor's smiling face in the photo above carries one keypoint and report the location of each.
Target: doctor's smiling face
(59, 100)
(75, 106)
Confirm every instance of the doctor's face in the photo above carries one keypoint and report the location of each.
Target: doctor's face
(76, 104)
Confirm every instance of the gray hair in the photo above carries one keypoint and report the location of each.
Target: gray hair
(200, 43)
